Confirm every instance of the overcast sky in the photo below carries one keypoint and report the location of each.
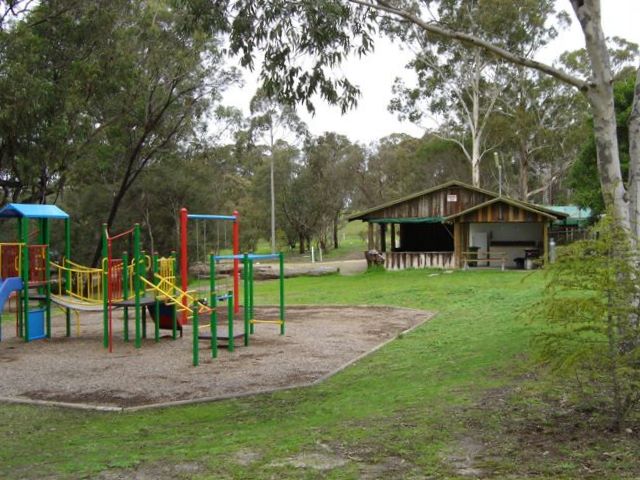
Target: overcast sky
(375, 74)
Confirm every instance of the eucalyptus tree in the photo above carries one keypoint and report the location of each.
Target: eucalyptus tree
(304, 41)
(47, 77)
(331, 161)
(271, 123)
(583, 175)
(400, 164)
(540, 129)
(460, 86)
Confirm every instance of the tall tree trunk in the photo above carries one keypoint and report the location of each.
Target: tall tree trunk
(115, 205)
(600, 95)
(273, 201)
(475, 132)
(301, 246)
(475, 162)
(634, 160)
(335, 232)
(523, 174)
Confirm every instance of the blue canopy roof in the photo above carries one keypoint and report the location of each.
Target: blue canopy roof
(30, 210)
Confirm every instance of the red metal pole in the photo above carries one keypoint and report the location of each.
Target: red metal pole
(236, 262)
(184, 264)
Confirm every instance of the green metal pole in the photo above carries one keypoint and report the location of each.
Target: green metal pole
(67, 280)
(25, 277)
(136, 282)
(213, 303)
(245, 292)
(47, 274)
(174, 310)
(230, 315)
(125, 293)
(143, 311)
(281, 259)
(105, 288)
(196, 343)
(21, 293)
(41, 241)
(156, 306)
(252, 314)
(245, 287)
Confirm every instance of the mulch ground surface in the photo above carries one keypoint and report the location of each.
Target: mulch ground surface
(77, 370)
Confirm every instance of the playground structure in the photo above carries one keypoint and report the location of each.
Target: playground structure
(142, 282)
(25, 266)
(185, 216)
(249, 320)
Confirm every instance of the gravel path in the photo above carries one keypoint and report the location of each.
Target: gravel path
(318, 341)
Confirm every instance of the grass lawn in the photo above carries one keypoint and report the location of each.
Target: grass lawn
(456, 398)
(351, 240)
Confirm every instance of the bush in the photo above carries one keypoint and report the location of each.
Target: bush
(591, 304)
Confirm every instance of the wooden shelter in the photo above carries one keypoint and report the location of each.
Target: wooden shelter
(456, 225)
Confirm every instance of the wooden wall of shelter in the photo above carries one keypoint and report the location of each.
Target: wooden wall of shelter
(436, 203)
(452, 207)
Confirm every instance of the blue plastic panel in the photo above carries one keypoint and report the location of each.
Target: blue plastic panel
(32, 210)
(36, 325)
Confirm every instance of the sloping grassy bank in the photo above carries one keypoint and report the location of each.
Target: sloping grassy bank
(436, 403)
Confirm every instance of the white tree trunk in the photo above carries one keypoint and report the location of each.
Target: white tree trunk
(475, 162)
(600, 94)
(599, 88)
(634, 161)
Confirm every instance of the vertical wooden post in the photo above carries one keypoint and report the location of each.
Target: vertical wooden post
(383, 237)
(457, 244)
(545, 239)
(370, 244)
(393, 236)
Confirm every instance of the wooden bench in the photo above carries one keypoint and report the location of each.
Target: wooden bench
(468, 257)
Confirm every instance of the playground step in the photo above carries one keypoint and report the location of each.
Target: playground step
(275, 322)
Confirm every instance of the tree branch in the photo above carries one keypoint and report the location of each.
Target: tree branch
(384, 6)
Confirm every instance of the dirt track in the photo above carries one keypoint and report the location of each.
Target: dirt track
(318, 341)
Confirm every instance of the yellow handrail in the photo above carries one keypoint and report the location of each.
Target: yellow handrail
(85, 283)
(166, 287)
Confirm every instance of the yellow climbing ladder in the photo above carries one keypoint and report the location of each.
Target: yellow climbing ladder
(174, 295)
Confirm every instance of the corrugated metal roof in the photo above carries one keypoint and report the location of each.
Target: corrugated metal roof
(32, 210)
(576, 215)
(572, 210)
